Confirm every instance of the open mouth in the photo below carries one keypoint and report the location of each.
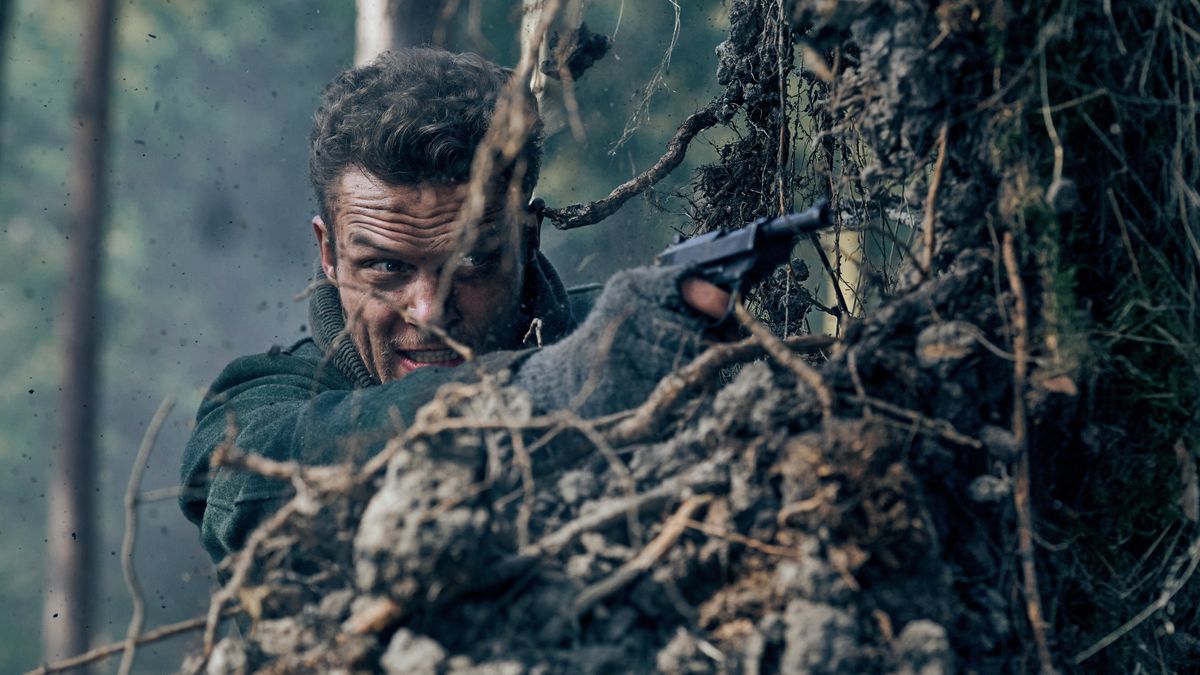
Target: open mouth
(416, 358)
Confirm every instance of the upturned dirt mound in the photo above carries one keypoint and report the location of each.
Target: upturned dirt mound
(760, 536)
(986, 472)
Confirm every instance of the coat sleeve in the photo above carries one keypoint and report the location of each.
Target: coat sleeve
(283, 407)
(638, 331)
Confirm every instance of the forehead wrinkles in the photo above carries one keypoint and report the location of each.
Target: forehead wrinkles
(421, 205)
(442, 235)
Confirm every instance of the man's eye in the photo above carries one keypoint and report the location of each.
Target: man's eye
(387, 266)
(475, 262)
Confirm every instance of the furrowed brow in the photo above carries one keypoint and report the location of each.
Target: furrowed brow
(363, 242)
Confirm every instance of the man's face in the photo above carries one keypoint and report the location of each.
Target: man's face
(393, 245)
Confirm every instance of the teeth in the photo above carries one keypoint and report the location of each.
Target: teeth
(432, 355)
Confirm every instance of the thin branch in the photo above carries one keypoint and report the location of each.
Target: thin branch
(1048, 119)
(620, 471)
(938, 427)
(1021, 500)
(931, 199)
(1137, 270)
(165, 494)
(836, 279)
(1170, 589)
(737, 538)
(611, 510)
(649, 415)
(525, 514)
(130, 539)
(513, 119)
(579, 215)
(779, 351)
(674, 528)
(459, 348)
(651, 87)
(241, 568)
(161, 633)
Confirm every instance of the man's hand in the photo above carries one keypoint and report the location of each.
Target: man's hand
(705, 298)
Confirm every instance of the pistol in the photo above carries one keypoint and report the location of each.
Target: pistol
(739, 258)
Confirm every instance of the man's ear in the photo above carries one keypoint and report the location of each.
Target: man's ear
(326, 247)
(533, 229)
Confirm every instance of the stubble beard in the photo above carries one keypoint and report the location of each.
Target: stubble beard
(385, 356)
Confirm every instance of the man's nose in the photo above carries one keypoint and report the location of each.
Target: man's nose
(423, 305)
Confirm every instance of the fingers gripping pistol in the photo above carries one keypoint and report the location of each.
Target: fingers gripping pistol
(737, 259)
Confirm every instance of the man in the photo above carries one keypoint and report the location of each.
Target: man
(397, 305)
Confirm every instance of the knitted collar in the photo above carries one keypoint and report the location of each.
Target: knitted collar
(545, 299)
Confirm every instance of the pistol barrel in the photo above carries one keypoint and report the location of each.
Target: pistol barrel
(814, 218)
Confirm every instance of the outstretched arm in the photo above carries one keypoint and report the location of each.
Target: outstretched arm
(645, 324)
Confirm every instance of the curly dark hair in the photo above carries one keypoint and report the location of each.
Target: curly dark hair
(412, 115)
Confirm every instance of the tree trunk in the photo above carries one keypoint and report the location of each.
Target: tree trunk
(5, 10)
(387, 24)
(71, 533)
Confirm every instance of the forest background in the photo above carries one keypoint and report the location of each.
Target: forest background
(207, 237)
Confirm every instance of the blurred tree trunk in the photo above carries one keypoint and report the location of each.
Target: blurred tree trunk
(71, 528)
(387, 24)
(5, 10)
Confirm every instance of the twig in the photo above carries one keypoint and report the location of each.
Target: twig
(535, 329)
(651, 87)
(931, 199)
(326, 476)
(769, 549)
(644, 560)
(570, 102)
(227, 455)
(650, 414)
(521, 454)
(1033, 600)
(398, 443)
(164, 494)
(779, 351)
(130, 539)
(610, 511)
(1171, 588)
(1048, 119)
(241, 567)
(161, 633)
(1137, 270)
(513, 119)
(843, 308)
(938, 427)
(459, 348)
(578, 215)
(1107, 4)
(615, 464)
